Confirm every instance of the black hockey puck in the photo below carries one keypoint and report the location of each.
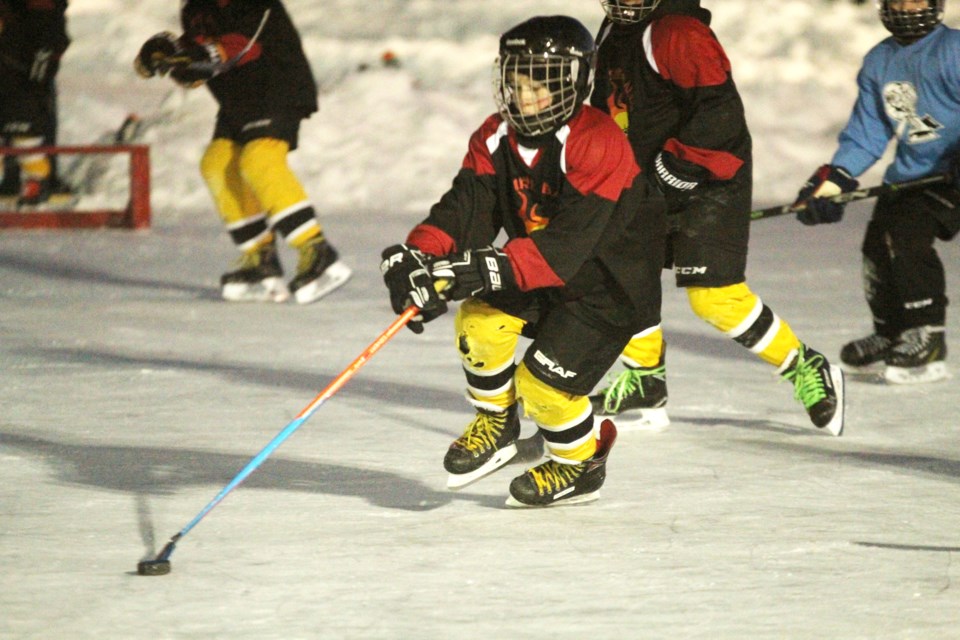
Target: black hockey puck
(153, 567)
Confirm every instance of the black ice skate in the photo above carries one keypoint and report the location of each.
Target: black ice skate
(258, 277)
(33, 193)
(488, 443)
(319, 271)
(553, 483)
(818, 386)
(866, 353)
(638, 396)
(918, 356)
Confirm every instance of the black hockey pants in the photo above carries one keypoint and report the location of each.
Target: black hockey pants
(903, 276)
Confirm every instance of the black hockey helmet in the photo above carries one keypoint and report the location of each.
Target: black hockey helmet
(909, 25)
(544, 73)
(624, 12)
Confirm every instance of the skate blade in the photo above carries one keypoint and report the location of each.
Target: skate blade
(933, 372)
(560, 502)
(643, 420)
(503, 456)
(333, 278)
(269, 290)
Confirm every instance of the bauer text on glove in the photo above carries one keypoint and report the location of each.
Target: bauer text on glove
(474, 272)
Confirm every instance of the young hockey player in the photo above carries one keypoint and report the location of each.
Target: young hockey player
(578, 273)
(909, 90)
(664, 77)
(33, 37)
(249, 55)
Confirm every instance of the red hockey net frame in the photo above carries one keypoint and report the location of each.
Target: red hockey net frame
(136, 215)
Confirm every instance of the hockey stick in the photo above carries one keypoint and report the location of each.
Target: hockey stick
(859, 194)
(161, 564)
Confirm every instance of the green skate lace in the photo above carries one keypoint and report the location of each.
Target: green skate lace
(807, 381)
(482, 433)
(552, 476)
(625, 384)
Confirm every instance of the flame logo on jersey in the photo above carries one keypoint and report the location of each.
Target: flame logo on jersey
(618, 102)
(900, 102)
(529, 208)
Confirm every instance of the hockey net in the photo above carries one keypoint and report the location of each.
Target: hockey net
(133, 214)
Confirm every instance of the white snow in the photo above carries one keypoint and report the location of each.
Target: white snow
(130, 394)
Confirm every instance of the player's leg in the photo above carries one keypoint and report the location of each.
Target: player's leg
(710, 258)
(912, 223)
(575, 344)
(486, 340)
(264, 167)
(257, 275)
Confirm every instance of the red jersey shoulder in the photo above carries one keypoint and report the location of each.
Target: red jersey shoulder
(686, 52)
(479, 158)
(599, 158)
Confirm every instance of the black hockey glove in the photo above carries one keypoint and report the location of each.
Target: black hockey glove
(196, 63)
(674, 182)
(407, 275)
(155, 55)
(826, 182)
(474, 272)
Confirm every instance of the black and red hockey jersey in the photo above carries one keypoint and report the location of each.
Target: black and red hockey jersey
(271, 71)
(572, 207)
(668, 84)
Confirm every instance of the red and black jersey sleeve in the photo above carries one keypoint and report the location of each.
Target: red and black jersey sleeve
(465, 216)
(712, 141)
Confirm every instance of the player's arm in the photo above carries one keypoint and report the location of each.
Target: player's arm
(686, 53)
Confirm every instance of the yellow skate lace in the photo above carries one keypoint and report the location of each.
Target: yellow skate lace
(551, 476)
(482, 433)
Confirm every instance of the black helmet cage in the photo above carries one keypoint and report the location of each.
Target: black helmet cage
(907, 26)
(553, 53)
(623, 13)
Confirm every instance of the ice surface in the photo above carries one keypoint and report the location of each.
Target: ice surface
(130, 394)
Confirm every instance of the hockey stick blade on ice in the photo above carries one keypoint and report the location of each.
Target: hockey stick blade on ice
(161, 564)
(859, 194)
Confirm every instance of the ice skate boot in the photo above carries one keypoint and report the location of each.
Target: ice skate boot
(554, 483)
(488, 443)
(917, 356)
(866, 353)
(319, 271)
(638, 396)
(258, 277)
(818, 386)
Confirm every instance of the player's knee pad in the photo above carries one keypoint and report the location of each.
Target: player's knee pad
(565, 420)
(486, 341)
(263, 165)
(486, 337)
(742, 315)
